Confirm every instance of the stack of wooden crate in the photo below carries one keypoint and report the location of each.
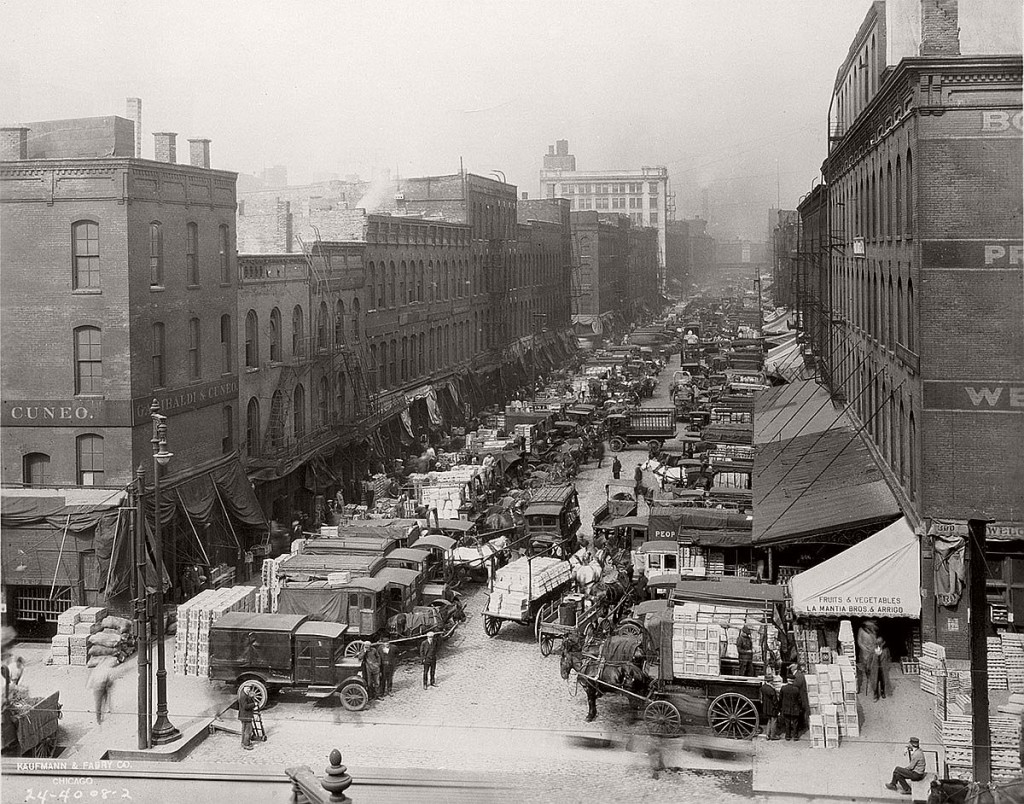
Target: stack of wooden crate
(195, 616)
(997, 677)
(60, 645)
(1013, 652)
(933, 667)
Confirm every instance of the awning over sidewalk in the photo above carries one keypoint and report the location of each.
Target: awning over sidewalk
(878, 577)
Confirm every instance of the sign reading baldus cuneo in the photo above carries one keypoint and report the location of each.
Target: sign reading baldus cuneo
(182, 400)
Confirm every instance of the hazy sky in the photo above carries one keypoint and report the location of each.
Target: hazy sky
(726, 94)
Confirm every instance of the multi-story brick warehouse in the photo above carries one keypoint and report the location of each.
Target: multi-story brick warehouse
(119, 286)
(412, 309)
(924, 285)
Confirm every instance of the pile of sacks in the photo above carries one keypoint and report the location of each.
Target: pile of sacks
(116, 640)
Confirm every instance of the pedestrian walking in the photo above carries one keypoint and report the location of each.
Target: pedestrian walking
(387, 664)
(638, 481)
(371, 670)
(246, 710)
(616, 468)
(878, 669)
(791, 709)
(745, 651)
(428, 656)
(866, 638)
(102, 682)
(913, 771)
(770, 706)
(599, 452)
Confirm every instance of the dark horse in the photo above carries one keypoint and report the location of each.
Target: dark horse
(611, 665)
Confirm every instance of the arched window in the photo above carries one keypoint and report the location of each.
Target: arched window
(252, 427)
(192, 254)
(888, 200)
(404, 370)
(252, 340)
(911, 334)
(909, 195)
(323, 401)
(298, 333)
(912, 456)
(339, 322)
(339, 405)
(431, 282)
(402, 271)
(89, 455)
(299, 412)
(373, 366)
(394, 362)
(323, 328)
(392, 282)
(384, 364)
(159, 356)
(195, 359)
(88, 360)
(899, 197)
(420, 349)
(414, 370)
(275, 429)
(226, 339)
(35, 469)
(371, 283)
(156, 254)
(85, 263)
(446, 285)
(275, 336)
(224, 246)
(419, 282)
(355, 319)
(900, 335)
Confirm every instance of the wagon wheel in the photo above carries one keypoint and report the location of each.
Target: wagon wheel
(547, 644)
(630, 628)
(491, 626)
(662, 719)
(257, 691)
(654, 445)
(354, 696)
(355, 648)
(617, 444)
(733, 715)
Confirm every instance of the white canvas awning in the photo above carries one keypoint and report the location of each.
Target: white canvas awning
(879, 577)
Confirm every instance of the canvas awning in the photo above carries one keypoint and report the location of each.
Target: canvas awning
(878, 577)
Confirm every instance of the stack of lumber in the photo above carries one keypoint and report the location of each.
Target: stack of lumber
(522, 581)
(1013, 652)
(192, 641)
(997, 677)
(933, 667)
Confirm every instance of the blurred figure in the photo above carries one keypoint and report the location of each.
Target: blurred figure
(865, 647)
(878, 669)
(102, 683)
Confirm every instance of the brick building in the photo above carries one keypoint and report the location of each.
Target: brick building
(689, 255)
(118, 288)
(922, 281)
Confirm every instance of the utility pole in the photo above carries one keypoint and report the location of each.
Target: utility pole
(978, 627)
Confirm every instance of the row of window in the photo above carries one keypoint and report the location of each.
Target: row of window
(877, 302)
(328, 333)
(325, 412)
(878, 205)
(86, 261)
(634, 188)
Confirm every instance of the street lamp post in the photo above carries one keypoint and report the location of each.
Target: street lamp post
(141, 597)
(163, 731)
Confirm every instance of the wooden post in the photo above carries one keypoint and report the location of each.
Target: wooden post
(978, 618)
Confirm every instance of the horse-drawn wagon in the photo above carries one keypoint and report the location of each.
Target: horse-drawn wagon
(521, 589)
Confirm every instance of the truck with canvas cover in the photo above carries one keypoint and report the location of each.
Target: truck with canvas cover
(650, 426)
(553, 520)
(620, 501)
(265, 653)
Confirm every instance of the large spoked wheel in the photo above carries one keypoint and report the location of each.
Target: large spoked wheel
(617, 444)
(654, 445)
(257, 691)
(630, 628)
(547, 644)
(354, 696)
(355, 648)
(492, 625)
(662, 719)
(733, 715)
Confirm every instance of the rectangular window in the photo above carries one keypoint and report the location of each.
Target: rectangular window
(225, 256)
(89, 450)
(600, 203)
(86, 259)
(158, 356)
(654, 218)
(192, 254)
(652, 202)
(618, 203)
(635, 203)
(195, 368)
(227, 442)
(156, 254)
(88, 361)
(652, 187)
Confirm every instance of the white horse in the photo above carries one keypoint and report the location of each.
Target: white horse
(586, 569)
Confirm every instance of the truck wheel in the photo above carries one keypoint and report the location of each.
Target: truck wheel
(354, 696)
(654, 444)
(257, 691)
(617, 444)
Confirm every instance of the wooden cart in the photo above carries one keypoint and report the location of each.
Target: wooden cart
(34, 732)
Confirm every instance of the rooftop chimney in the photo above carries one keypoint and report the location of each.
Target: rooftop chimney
(940, 30)
(526, 196)
(199, 153)
(551, 150)
(562, 147)
(165, 149)
(13, 144)
(133, 107)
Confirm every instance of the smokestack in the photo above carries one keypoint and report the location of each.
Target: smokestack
(199, 153)
(940, 30)
(134, 111)
(165, 149)
(13, 144)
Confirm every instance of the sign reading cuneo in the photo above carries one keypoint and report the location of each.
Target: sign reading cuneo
(181, 400)
(74, 412)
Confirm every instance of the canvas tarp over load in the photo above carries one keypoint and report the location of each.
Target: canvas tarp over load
(879, 577)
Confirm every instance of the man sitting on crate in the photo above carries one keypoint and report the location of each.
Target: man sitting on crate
(914, 770)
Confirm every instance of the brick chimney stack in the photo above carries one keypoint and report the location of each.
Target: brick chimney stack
(13, 144)
(199, 153)
(940, 29)
(133, 107)
(165, 149)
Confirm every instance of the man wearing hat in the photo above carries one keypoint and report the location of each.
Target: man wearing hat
(914, 771)
(428, 655)
(745, 651)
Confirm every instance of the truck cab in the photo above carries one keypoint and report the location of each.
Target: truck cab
(553, 520)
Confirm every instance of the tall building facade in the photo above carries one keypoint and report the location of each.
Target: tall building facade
(642, 194)
(919, 315)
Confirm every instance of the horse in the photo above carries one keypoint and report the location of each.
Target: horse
(586, 569)
(611, 665)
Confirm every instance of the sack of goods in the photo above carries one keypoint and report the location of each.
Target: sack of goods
(116, 639)
(518, 583)
(192, 641)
